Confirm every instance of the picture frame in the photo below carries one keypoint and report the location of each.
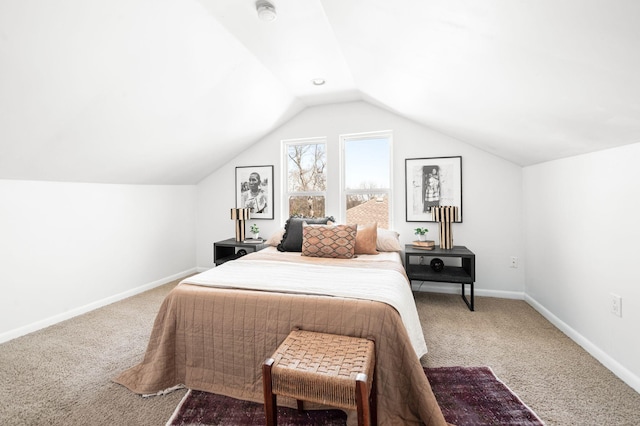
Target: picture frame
(430, 182)
(254, 190)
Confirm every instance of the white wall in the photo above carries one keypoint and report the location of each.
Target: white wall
(582, 245)
(66, 248)
(492, 190)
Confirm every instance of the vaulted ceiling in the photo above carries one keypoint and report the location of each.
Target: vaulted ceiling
(166, 91)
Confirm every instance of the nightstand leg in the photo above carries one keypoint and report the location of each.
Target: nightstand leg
(468, 302)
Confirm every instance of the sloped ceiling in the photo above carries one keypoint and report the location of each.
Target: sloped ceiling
(164, 92)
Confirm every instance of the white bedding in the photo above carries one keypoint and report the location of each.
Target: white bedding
(382, 285)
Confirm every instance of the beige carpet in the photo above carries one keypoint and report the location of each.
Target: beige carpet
(554, 376)
(61, 375)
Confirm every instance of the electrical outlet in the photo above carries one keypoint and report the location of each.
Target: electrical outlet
(616, 305)
(422, 260)
(514, 262)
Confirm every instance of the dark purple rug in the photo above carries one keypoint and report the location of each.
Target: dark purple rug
(475, 396)
(467, 396)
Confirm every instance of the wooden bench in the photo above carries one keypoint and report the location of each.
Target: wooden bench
(327, 369)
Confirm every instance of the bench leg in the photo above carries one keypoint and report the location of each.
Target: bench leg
(362, 400)
(374, 401)
(270, 403)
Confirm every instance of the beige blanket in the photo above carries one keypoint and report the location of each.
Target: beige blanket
(216, 339)
(361, 280)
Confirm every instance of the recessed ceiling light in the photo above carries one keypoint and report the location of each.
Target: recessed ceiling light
(266, 10)
(318, 81)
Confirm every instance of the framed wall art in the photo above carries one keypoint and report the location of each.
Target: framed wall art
(254, 190)
(432, 182)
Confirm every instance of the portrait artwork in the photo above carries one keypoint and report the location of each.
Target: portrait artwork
(254, 190)
(432, 182)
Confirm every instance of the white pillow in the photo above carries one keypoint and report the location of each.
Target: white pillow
(388, 240)
(275, 238)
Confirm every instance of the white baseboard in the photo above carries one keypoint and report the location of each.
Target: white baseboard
(451, 288)
(38, 325)
(616, 368)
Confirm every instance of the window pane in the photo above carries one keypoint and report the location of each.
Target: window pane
(307, 206)
(367, 208)
(366, 163)
(306, 166)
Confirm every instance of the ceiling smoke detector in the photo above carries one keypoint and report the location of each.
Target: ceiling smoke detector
(266, 10)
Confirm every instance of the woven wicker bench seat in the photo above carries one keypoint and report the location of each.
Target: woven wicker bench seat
(323, 368)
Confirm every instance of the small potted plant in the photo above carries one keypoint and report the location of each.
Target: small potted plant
(421, 233)
(255, 231)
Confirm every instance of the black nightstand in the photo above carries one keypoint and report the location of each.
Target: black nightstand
(464, 274)
(230, 249)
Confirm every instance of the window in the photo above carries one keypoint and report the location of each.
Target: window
(366, 190)
(363, 192)
(306, 176)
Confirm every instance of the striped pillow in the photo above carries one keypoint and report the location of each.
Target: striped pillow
(334, 241)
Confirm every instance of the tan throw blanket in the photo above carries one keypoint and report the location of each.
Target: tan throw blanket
(354, 282)
(216, 339)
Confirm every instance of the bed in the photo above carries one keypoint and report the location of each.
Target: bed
(215, 329)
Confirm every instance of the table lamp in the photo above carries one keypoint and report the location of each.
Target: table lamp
(445, 215)
(240, 216)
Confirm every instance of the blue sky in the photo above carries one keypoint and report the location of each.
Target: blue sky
(367, 160)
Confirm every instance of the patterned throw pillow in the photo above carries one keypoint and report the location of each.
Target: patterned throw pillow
(292, 238)
(338, 241)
